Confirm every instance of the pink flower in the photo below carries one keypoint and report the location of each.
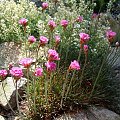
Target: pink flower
(31, 39)
(84, 38)
(26, 62)
(79, 19)
(16, 72)
(85, 47)
(51, 66)
(94, 15)
(110, 35)
(53, 55)
(43, 40)
(64, 23)
(38, 72)
(23, 22)
(44, 5)
(57, 39)
(52, 25)
(74, 65)
(3, 74)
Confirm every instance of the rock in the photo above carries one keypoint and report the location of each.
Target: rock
(103, 114)
(2, 118)
(93, 113)
(9, 52)
(10, 92)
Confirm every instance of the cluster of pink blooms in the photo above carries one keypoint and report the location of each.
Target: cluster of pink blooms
(52, 25)
(31, 39)
(3, 74)
(23, 22)
(26, 62)
(51, 66)
(95, 15)
(79, 19)
(44, 5)
(16, 72)
(110, 35)
(43, 40)
(64, 23)
(53, 55)
(38, 72)
(84, 38)
(74, 65)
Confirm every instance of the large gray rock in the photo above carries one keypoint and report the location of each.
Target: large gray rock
(10, 92)
(93, 113)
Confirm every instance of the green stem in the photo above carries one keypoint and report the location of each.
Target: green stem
(34, 85)
(17, 100)
(96, 80)
(70, 84)
(64, 86)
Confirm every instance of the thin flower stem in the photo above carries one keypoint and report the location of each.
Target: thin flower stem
(83, 71)
(7, 99)
(79, 55)
(64, 86)
(28, 88)
(70, 84)
(96, 80)
(17, 100)
(34, 85)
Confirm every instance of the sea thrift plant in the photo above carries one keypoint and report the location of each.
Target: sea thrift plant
(74, 65)
(51, 66)
(38, 72)
(16, 72)
(26, 62)
(44, 5)
(23, 22)
(110, 35)
(85, 48)
(53, 55)
(57, 39)
(84, 38)
(79, 19)
(3, 74)
(52, 25)
(64, 23)
(43, 40)
(31, 39)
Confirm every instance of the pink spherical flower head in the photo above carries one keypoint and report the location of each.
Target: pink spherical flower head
(117, 44)
(79, 19)
(74, 65)
(51, 66)
(43, 40)
(16, 72)
(64, 23)
(94, 15)
(44, 5)
(26, 62)
(84, 38)
(110, 35)
(52, 25)
(23, 22)
(57, 39)
(31, 39)
(3, 74)
(85, 47)
(53, 55)
(38, 72)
